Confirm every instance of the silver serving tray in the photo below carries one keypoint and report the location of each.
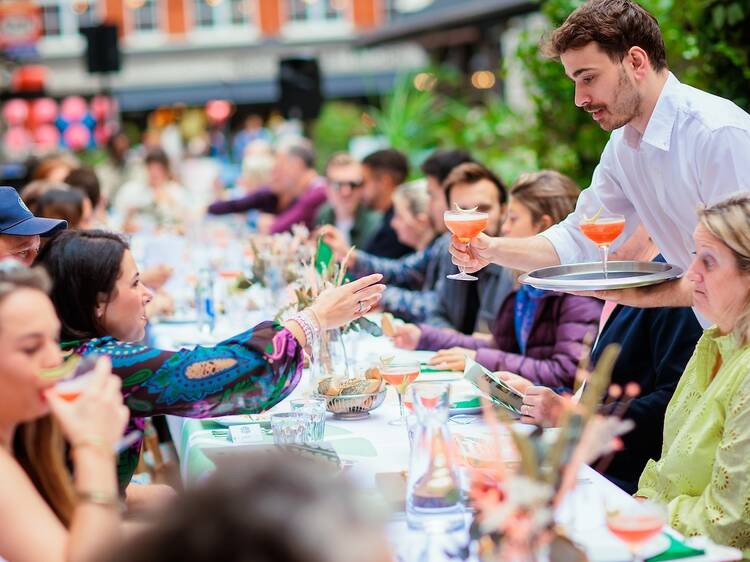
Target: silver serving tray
(590, 276)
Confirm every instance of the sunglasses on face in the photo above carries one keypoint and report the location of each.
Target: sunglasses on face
(339, 185)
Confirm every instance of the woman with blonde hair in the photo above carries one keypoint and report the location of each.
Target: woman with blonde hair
(44, 514)
(704, 470)
(537, 334)
(411, 219)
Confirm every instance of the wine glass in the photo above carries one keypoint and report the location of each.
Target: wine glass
(602, 231)
(465, 225)
(400, 374)
(636, 523)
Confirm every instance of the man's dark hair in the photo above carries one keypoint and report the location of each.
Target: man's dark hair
(157, 156)
(304, 152)
(615, 26)
(442, 162)
(471, 173)
(390, 162)
(85, 179)
(61, 204)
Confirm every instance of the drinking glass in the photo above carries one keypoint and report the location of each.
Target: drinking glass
(316, 409)
(73, 376)
(290, 428)
(636, 524)
(602, 230)
(400, 374)
(465, 225)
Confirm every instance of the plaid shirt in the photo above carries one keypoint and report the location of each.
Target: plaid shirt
(412, 281)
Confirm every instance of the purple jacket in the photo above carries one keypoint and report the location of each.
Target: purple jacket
(304, 209)
(554, 347)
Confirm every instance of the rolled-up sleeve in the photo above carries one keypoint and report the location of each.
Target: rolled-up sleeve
(605, 193)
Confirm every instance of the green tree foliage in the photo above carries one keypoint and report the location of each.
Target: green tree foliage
(708, 46)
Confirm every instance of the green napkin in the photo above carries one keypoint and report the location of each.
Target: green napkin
(677, 549)
(425, 368)
(323, 256)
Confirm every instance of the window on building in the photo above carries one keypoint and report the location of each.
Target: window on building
(240, 12)
(145, 17)
(314, 10)
(51, 20)
(203, 14)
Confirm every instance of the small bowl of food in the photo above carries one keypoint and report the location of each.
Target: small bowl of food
(353, 399)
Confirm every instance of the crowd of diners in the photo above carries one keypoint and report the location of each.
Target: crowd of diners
(676, 166)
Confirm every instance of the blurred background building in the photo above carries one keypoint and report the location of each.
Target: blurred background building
(190, 51)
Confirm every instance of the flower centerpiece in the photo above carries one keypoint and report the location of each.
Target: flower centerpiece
(514, 507)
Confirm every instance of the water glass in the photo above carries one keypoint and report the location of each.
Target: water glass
(290, 428)
(316, 409)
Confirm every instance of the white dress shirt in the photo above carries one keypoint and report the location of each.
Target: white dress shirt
(695, 151)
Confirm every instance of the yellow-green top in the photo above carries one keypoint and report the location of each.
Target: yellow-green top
(704, 470)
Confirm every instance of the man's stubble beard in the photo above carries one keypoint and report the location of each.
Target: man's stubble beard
(627, 104)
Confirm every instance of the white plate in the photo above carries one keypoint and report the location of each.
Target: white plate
(605, 550)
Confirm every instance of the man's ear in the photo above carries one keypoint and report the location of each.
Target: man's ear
(545, 222)
(639, 62)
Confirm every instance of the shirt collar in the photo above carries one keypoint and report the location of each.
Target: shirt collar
(659, 129)
(726, 344)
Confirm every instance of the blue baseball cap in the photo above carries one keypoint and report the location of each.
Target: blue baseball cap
(16, 219)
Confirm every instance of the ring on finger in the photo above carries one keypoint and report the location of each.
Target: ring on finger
(360, 307)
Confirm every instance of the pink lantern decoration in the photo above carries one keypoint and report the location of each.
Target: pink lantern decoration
(43, 110)
(77, 136)
(46, 136)
(218, 110)
(101, 107)
(17, 139)
(15, 112)
(73, 109)
(102, 133)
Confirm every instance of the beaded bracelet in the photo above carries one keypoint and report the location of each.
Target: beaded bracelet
(307, 327)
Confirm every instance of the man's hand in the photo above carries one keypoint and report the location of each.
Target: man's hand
(516, 381)
(672, 293)
(406, 336)
(453, 359)
(472, 256)
(542, 406)
(333, 237)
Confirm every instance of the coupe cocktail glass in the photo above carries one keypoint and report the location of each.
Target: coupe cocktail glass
(465, 225)
(602, 231)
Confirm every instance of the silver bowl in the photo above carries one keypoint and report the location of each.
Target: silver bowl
(353, 406)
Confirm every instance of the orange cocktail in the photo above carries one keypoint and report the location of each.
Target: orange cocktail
(400, 375)
(602, 231)
(465, 225)
(635, 530)
(635, 523)
(466, 228)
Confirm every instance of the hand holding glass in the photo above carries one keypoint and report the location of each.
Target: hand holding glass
(465, 225)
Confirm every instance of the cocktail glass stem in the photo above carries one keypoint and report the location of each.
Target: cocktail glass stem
(605, 255)
(402, 419)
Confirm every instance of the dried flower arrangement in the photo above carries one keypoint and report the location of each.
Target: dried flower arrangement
(514, 508)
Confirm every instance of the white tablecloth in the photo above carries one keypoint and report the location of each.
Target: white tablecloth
(582, 512)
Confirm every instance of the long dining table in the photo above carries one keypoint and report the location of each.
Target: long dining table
(371, 447)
